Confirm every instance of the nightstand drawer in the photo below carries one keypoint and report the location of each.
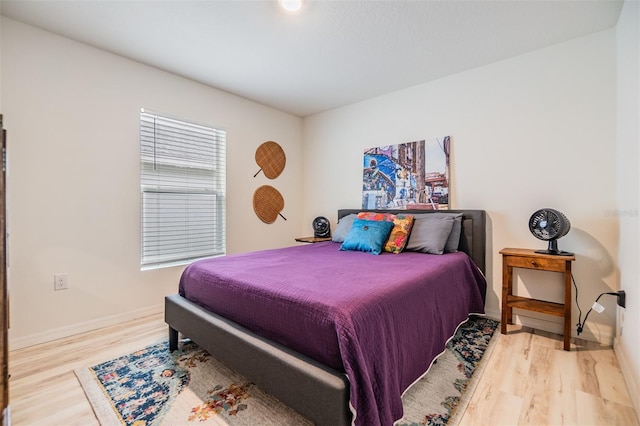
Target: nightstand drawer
(536, 263)
(558, 265)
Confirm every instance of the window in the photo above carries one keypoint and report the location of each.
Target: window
(182, 182)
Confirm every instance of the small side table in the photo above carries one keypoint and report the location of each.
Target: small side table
(312, 239)
(529, 259)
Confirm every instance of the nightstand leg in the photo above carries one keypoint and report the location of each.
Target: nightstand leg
(507, 290)
(567, 307)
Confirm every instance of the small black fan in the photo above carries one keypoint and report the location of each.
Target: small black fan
(549, 225)
(321, 227)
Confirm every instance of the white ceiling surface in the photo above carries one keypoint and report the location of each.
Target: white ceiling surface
(329, 54)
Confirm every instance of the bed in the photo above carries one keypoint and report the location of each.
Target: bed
(320, 355)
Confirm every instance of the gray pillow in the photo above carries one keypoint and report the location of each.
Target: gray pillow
(430, 233)
(343, 228)
(453, 241)
(454, 237)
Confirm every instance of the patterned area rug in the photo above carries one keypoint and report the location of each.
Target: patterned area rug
(156, 387)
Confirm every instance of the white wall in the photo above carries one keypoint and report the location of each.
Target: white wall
(628, 179)
(72, 113)
(534, 131)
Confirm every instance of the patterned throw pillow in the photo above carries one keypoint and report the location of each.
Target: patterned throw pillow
(399, 235)
(387, 217)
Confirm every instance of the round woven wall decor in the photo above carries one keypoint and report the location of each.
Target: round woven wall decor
(271, 159)
(268, 203)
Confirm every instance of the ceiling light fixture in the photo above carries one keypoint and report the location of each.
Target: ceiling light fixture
(291, 5)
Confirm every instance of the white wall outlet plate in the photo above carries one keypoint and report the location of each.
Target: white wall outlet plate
(60, 282)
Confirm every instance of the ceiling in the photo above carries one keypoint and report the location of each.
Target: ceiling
(330, 53)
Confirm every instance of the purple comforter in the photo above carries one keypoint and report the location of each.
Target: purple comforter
(381, 319)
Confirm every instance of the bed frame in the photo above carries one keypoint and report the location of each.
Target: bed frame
(314, 390)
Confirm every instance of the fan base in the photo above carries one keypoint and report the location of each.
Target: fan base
(555, 253)
(553, 250)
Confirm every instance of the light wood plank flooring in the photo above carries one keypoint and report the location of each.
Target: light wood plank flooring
(43, 388)
(531, 380)
(528, 379)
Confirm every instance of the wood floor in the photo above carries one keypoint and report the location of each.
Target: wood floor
(528, 379)
(531, 380)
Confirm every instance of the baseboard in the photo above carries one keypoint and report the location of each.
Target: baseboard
(83, 327)
(493, 314)
(632, 385)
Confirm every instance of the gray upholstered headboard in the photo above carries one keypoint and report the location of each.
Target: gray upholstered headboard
(473, 239)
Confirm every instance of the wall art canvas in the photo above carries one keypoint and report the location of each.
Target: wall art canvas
(409, 175)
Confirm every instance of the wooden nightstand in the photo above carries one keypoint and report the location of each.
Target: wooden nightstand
(312, 239)
(529, 259)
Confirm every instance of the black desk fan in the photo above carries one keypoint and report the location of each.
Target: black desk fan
(550, 225)
(321, 227)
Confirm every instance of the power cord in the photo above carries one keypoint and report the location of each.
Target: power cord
(580, 324)
(599, 308)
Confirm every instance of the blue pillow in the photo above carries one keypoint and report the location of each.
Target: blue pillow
(367, 235)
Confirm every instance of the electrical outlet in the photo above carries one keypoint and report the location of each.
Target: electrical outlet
(60, 282)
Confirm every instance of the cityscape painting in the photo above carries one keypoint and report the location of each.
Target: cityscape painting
(412, 175)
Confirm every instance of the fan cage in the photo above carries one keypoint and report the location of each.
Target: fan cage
(550, 225)
(321, 227)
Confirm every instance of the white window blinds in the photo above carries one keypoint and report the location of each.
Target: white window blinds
(182, 167)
